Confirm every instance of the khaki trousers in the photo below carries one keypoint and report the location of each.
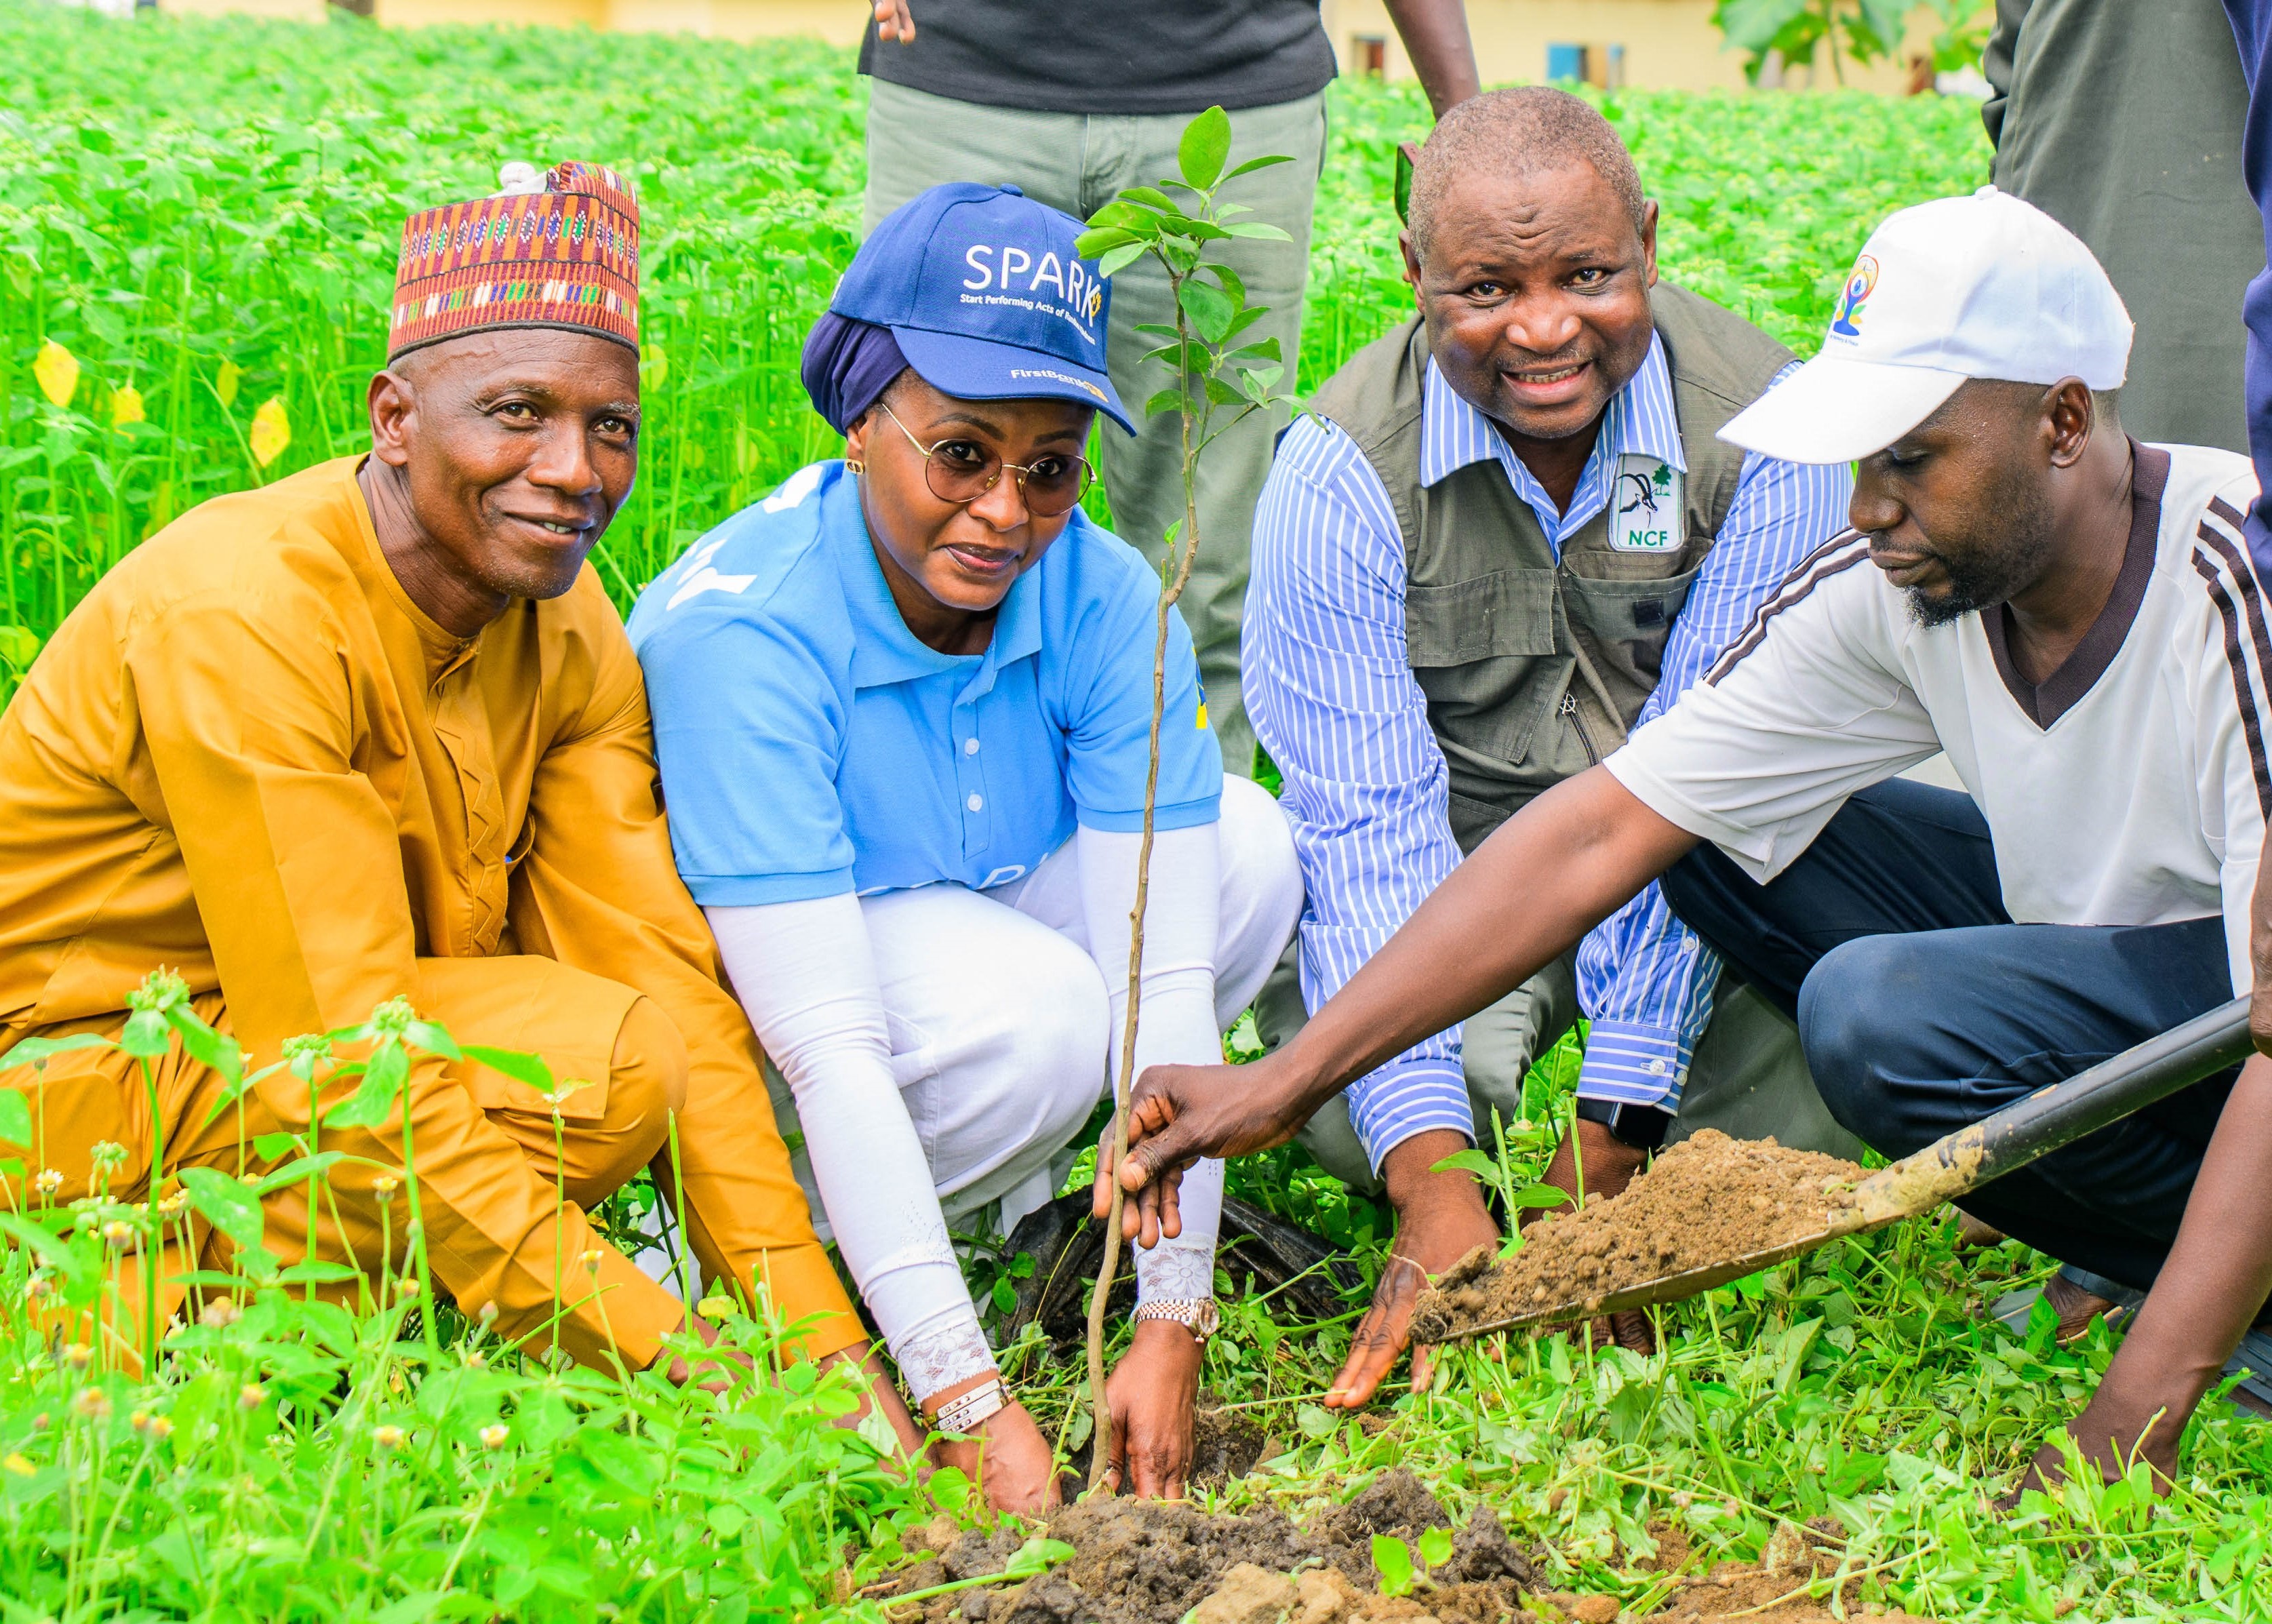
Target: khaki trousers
(503, 1190)
(1078, 163)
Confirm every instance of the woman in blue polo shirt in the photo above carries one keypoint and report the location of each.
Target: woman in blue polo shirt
(903, 706)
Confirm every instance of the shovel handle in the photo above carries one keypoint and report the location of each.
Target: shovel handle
(2057, 1115)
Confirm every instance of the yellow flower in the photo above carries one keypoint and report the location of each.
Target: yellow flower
(591, 1257)
(118, 1232)
(271, 432)
(156, 1428)
(92, 1402)
(57, 372)
(51, 1180)
(251, 1395)
(405, 1288)
(225, 386)
(220, 1313)
(494, 1437)
(125, 406)
(389, 1437)
(18, 1466)
(715, 1306)
(78, 1356)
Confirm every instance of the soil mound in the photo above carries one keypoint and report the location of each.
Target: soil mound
(1706, 1201)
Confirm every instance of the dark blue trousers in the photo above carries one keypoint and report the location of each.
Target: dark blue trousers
(1922, 1009)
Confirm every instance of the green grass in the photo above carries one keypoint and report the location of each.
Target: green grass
(204, 213)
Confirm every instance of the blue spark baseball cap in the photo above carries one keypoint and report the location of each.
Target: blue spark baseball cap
(986, 297)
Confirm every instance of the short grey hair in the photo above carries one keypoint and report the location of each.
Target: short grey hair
(1528, 129)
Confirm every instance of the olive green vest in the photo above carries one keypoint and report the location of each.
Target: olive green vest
(1534, 667)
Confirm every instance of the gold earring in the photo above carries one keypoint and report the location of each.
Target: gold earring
(854, 465)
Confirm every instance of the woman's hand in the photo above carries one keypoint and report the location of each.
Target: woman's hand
(1009, 1460)
(1150, 1395)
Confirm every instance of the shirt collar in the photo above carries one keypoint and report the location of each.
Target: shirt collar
(884, 651)
(1639, 418)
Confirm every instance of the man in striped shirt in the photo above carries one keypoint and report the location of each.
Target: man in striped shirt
(2071, 615)
(1509, 537)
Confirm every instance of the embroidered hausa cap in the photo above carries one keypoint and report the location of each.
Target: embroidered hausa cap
(986, 297)
(557, 250)
(1985, 285)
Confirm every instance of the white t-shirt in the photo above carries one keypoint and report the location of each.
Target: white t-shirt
(2130, 787)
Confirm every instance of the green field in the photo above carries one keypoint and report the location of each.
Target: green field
(202, 220)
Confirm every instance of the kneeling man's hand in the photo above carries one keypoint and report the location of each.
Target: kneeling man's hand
(1177, 1114)
(1151, 1394)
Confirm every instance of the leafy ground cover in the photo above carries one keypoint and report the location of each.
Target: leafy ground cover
(197, 233)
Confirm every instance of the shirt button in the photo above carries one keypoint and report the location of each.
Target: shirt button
(1657, 1068)
(978, 801)
(969, 746)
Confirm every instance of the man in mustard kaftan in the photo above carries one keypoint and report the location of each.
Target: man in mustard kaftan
(375, 730)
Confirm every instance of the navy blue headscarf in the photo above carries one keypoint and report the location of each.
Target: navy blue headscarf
(847, 365)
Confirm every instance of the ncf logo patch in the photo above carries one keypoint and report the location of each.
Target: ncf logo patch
(1851, 299)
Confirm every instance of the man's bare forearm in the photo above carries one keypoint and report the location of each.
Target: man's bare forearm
(2211, 1288)
(1435, 35)
(1552, 871)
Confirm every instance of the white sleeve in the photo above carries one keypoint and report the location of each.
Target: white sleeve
(1807, 706)
(805, 973)
(2229, 707)
(1176, 1015)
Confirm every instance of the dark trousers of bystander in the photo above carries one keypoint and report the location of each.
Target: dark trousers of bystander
(1922, 1009)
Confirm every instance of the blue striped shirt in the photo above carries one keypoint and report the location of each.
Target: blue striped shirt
(1329, 686)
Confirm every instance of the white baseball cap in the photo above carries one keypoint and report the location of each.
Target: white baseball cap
(1980, 287)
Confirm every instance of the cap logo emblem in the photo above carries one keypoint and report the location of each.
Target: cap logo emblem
(1847, 324)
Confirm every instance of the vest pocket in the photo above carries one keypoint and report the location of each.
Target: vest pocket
(1493, 617)
(1628, 611)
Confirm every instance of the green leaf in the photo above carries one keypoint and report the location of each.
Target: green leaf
(1468, 1161)
(1260, 230)
(1315, 1420)
(1209, 309)
(1392, 1559)
(373, 1103)
(1089, 244)
(315, 1271)
(15, 1117)
(1252, 164)
(1436, 1547)
(228, 1205)
(1752, 25)
(1151, 198)
(1005, 1294)
(1119, 260)
(1206, 144)
(431, 1038)
(51, 1251)
(1540, 1195)
(1037, 1555)
(268, 1147)
(1231, 283)
(36, 1050)
(1166, 401)
(305, 1167)
(1223, 393)
(148, 1036)
(1125, 216)
(521, 1067)
(215, 1050)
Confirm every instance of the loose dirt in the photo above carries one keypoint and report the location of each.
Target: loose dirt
(1707, 1200)
(1144, 1562)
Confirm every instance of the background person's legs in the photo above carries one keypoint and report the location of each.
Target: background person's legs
(1145, 476)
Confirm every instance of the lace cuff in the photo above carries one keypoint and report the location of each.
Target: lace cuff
(932, 1361)
(1169, 1270)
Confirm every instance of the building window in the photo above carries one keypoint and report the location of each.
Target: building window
(1567, 64)
(1369, 55)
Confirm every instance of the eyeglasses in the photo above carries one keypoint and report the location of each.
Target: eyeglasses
(961, 471)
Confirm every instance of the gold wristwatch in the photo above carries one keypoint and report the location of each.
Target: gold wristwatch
(1199, 1315)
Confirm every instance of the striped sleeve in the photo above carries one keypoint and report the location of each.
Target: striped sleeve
(1333, 698)
(1643, 977)
(2232, 700)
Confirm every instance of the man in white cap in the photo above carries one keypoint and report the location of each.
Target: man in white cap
(2074, 619)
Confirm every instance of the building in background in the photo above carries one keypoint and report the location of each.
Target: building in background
(1612, 44)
